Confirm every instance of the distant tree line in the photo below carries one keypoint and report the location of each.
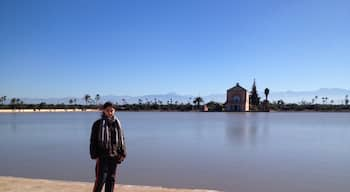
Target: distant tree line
(94, 103)
(324, 104)
(195, 104)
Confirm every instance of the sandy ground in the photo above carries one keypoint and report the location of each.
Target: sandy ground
(16, 184)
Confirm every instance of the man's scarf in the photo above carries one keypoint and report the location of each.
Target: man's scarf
(119, 134)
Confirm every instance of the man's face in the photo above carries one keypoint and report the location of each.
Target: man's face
(109, 112)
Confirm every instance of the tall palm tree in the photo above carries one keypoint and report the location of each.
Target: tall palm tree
(267, 91)
(87, 98)
(2, 99)
(316, 97)
(13, 102)
(346, 99)
(198, 101)
(97, 98)
(70, 101)
(21, 103)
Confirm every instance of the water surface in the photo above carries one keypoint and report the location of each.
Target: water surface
(238, 152)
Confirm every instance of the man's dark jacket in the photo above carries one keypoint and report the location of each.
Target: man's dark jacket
(115, 148)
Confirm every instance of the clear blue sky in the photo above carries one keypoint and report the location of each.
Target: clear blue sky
(62, 48)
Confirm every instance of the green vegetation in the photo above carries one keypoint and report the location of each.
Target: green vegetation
(197, 101)
(2, 100)
(254, 99)
(278, 106)
(325, 105)
(267, 91)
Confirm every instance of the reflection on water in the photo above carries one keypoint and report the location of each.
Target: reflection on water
(246, 128)
(13, 121)
(241, 152)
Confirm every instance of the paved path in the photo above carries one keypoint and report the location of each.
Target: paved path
(15, 184)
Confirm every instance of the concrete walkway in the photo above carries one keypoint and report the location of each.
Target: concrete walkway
(15, 184)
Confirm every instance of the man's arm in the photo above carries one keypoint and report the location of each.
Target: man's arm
(122, 140)
(94, 140)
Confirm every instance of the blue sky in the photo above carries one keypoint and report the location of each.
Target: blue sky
(60, 48)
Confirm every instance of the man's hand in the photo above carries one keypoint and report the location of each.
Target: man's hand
(120, 158)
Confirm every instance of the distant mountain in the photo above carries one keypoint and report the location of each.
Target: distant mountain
(164, 98)
(335, 94)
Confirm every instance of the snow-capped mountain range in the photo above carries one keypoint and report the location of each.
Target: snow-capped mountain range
(333, 95)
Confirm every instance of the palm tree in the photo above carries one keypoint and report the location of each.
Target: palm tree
(97, 98)
(267, 91)
(2, 99)
(198, 101)
(316, 97)
(326, 99)
(346, 99)
(70, 101)
(13, 102)
(18, 101)
(21, 103)
(87, 98)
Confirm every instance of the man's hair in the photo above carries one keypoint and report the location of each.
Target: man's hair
(108, 104)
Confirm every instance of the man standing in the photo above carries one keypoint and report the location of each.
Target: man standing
(107, 146)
